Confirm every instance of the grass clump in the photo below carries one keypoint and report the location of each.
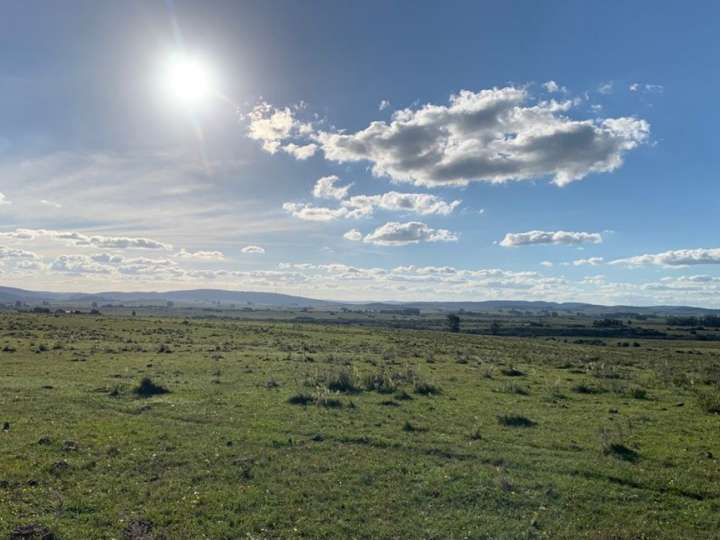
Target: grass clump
(587, 389)
(709, 401)
(612, 444)
(425, 388)
(638, 393)
(148, 388)
(343, 381)
(301, 399)
(321, 399)
(512, 388)
(387, 381)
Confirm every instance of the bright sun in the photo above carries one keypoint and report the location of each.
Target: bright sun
(188, 79)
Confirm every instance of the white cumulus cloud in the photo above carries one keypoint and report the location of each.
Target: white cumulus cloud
(678, 257)
(253, 250)
(591, 261)
(200, 255)
(550, 237)
(84, 240)
(553, 87)
(353, 235)
(419, 203)
(494, 135)
(300, 152)
(272, 126)
(325, 188)
(394, 233)
(309, 212)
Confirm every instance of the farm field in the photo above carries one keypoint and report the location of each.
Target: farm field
(171, 428)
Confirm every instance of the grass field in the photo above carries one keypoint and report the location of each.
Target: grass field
(285, 430)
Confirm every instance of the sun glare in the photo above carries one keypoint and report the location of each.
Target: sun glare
(189, 80)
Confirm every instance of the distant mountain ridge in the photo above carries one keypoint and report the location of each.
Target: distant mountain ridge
(11, 295)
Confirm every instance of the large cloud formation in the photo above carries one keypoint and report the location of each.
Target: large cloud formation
(550, 237)
(493, 135)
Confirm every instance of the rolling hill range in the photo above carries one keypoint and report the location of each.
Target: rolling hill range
(205, 297)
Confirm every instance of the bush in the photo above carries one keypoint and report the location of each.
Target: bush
(512, 372)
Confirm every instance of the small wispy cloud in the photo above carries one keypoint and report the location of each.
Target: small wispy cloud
(51, 203)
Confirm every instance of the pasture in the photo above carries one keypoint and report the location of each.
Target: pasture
(277, 429)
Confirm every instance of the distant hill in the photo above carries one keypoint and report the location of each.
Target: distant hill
(10, 295)
(573, 307)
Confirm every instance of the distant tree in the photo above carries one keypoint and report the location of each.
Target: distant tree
(170, 304)
(94, 305)
(495, 328)
(608, 323)
(453, 322)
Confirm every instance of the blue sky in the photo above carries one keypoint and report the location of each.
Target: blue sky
(578, 138)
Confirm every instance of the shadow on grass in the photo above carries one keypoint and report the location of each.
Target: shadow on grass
(515, 420)
(621, 451)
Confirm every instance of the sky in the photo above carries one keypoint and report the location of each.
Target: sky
(383, 150)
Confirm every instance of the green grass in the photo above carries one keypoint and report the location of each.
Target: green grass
(281, 430)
